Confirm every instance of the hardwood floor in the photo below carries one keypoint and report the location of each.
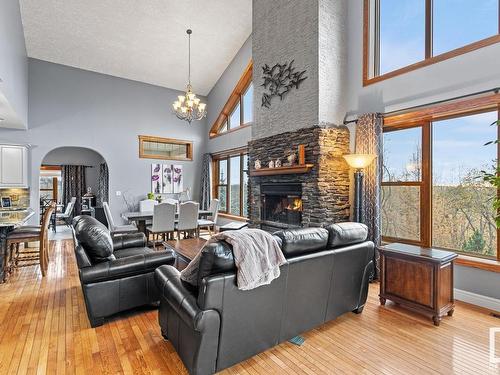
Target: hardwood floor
(44, 329)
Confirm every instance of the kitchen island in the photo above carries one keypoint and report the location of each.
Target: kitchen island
(8, 221)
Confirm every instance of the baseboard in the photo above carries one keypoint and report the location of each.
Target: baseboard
(477, 299)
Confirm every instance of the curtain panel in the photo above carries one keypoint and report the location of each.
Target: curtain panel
(74, 185)
(205, 188)
(103, 185)
(369, 141)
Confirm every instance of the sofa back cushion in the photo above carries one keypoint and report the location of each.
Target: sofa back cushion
(348, 233)
(296, 242)
(94, 237)
(215, 258)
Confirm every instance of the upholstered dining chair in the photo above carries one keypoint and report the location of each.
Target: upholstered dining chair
(113, 228)
(66, 216)
(163, 222)
(211, 221)
(27, 257)
(188, 219)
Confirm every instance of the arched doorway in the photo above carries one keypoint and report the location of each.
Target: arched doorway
(74, 173)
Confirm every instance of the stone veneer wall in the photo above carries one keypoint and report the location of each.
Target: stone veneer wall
(325, 189)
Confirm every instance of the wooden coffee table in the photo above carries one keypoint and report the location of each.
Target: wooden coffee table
(185, 250)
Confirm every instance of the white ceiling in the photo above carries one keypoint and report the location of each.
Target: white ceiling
(142, 40)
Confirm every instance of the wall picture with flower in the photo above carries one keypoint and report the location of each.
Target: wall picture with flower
(168, 186)
(177, 178)
(156, 178)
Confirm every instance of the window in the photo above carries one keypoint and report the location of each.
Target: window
(432, 193)
(404, 35)
(231, 182)
(50, 184)
(237, 113)
(165, 148)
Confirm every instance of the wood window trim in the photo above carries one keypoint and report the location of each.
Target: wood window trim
(148, 138)
(233, 217)
(234, 99)
(226, 155)
(458, 108)
(429, 60)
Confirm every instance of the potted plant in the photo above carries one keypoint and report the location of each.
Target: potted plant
(151, 196)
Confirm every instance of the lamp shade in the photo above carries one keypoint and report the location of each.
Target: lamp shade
(359, 161)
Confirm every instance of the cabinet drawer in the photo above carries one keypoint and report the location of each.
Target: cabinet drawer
(412, 281)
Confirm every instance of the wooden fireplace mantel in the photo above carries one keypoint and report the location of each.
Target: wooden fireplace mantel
(294, 169)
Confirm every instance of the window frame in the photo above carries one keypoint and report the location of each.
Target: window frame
(148, 138)
(235, 98)
(227, 155)
(371, 44)
(425, 118)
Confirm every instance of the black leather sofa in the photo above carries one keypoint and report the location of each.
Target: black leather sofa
(216, 325)
(116, 274)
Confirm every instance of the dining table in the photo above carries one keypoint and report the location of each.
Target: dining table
(140, 217)
(9, 220)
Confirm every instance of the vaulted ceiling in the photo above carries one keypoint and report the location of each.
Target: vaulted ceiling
(142, 40)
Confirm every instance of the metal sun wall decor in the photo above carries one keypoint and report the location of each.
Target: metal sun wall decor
(279, 81)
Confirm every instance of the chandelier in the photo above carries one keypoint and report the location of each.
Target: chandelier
(189, 107)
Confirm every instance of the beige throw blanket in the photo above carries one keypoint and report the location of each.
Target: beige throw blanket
(257, 256)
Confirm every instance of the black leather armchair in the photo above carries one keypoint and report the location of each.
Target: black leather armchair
(116, 274)
(216, 325)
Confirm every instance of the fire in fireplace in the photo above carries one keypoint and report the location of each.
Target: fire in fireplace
(281, 205)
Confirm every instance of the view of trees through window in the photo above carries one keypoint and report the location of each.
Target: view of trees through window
(461, 203)
(232, 184)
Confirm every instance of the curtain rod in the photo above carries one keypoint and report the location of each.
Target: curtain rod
(496, 90)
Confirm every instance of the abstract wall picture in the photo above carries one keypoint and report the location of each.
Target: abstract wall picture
(178, 178)
(156, 178)
(279, 81)
(166, 178)
(168, 186)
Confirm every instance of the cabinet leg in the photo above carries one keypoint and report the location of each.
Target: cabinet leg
(437, 320)
(382, 301)
(450, 313)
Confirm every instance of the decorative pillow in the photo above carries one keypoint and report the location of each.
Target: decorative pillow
(95, 238)
(348, 233)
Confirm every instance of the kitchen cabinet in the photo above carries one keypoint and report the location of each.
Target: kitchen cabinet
(13, 166)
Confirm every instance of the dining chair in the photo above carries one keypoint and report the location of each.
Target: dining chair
(211, 221)
(17, 257)
(163, 222)
(113, 228)
(188, 219)
(68, 212)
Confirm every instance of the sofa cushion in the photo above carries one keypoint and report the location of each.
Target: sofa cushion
(131, 251)
(348, 233)
(296, 242)
(215, 258)
(94, 237)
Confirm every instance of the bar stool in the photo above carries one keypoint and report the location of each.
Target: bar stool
(27, 234)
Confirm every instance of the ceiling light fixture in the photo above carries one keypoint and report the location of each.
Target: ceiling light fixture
(189, 107)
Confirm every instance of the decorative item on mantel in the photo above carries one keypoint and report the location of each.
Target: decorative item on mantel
(277, 163)
(276, 167)
(271, 164)
(257, 164)
(279, 81)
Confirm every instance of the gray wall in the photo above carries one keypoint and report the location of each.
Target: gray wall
(218, 97)
(469, 73)
(73, 107)
(77, 156)
(13, 60)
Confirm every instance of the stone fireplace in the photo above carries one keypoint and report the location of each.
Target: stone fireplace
(323, 191)
(308, 115)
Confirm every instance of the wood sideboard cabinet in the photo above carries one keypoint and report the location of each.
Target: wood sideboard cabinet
(418, 278)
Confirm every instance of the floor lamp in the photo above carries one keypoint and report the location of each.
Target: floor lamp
(359, 162)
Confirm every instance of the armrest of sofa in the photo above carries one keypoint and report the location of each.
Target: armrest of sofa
(182, 300)
(125, 267)
(125, 241)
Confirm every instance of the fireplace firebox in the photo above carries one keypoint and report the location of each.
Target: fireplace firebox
(281, 205)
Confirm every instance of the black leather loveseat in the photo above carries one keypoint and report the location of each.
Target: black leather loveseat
(218, 325)
(116, 273)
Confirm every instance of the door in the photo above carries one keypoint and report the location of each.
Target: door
(13, 166)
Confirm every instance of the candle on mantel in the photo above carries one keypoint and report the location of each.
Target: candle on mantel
(302, 155)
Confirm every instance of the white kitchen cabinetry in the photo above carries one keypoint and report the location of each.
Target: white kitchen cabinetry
(13, 166)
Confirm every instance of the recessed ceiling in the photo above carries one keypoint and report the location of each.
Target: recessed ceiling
(140, 40)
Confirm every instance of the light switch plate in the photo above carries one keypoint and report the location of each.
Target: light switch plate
(118, 193)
